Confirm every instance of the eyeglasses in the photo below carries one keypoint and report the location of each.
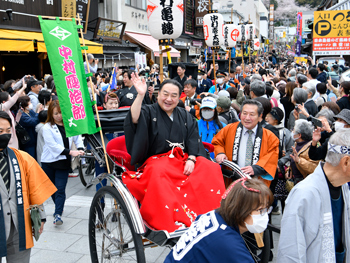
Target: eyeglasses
(265, 210)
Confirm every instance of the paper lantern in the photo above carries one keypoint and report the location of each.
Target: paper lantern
(213, 29)
(165, 18)
(231, 34)
(242, 33)
(256, 44)
(250, 30)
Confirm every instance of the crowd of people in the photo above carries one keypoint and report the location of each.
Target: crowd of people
(285, 125)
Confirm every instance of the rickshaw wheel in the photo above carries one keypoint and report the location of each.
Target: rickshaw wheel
(112, 237)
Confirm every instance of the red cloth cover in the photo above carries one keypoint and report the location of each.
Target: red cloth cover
(169, 199)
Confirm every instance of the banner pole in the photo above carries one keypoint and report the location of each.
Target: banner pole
(93, 95)
(216, 89)
(111, 79)
(161, 64)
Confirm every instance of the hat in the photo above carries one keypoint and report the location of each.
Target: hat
(224, 93)
(32, 81)
(201, 72)
(220, 75)
(208, 102)
(277, 114)
(224, 102)
(344, 115)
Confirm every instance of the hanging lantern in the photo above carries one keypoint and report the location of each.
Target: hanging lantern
(165, 19)
(256, 44)
(242, 33)
(250, 31)
(213, 24)
(231, 33)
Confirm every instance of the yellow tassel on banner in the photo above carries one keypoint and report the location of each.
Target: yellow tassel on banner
(168, 54)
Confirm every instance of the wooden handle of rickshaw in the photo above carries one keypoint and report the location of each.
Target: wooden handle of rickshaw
(259, 239)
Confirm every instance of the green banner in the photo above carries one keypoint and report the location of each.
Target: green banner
(64, 51)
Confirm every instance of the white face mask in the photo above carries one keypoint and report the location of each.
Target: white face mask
(30, 107)
(207, 114)
(220, 81)
(259, 223)
(338, 125)
(293, 136)
(199, 77)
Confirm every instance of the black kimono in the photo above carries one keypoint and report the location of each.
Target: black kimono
(149, 137)
(127, 96)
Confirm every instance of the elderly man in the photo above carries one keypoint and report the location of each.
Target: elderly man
(93, 64)
(310, 104)
(253, 148)
(33, 88)
(315, 223)
(257, 89)
(238, 74)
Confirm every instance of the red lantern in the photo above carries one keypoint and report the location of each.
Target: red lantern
(213, 24)
(165, 18)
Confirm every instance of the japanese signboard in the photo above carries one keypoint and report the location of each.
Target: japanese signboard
(300, 23)
(271, 26)
(64, 51)
(331, 34)
(202, 8)
(189, 12)
(69, 8)
(165, 18)
(109, 29)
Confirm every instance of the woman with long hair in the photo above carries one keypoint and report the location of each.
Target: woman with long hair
(287, 100)
(56, 156)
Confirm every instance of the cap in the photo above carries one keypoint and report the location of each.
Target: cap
(220, 75)
(201, 72)
(32, 81)
(224, 93)
(344, 115)
(208, 102)
(223, 102)
(277, 114)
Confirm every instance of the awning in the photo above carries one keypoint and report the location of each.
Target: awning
(14, 40)
(147, 41)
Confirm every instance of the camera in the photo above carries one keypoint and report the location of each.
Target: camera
(194, 101)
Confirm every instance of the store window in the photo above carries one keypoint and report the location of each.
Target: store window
(141, 4)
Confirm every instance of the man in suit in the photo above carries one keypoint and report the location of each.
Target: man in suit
(203, 83)
(22, 183)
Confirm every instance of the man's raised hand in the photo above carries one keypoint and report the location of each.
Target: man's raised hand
(139, 84)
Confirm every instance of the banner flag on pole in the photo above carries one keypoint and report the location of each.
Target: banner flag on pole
(114, 79)
(64, 51)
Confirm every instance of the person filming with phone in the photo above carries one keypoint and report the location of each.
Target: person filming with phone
(93, 64)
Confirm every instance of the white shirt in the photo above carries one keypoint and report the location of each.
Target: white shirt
(187, 100)
(243, 145)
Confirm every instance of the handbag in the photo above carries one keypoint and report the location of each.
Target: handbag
(22, 134)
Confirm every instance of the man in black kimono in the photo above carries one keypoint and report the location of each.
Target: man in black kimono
(149, 127)
(173, 176)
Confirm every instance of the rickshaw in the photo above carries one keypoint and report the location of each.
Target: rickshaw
(117, 232)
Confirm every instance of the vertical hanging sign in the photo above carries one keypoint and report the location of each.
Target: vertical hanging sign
(64, 51)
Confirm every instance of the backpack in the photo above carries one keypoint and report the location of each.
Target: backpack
(229, 117)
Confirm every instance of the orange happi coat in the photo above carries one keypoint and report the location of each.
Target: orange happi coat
(268, 157)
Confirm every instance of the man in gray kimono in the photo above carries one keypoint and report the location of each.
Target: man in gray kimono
(316, 221)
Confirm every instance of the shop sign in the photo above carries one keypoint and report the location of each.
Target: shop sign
(109, 29)
(331, 32)
(202, 8)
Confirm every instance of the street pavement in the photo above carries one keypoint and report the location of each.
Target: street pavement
(69, 243)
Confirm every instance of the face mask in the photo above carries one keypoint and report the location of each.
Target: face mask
(30, 107)
(4, 140)
(199, 77)
(259, 223)
(293, 134)
(338, 125)
(219, 81)
(207, 114)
